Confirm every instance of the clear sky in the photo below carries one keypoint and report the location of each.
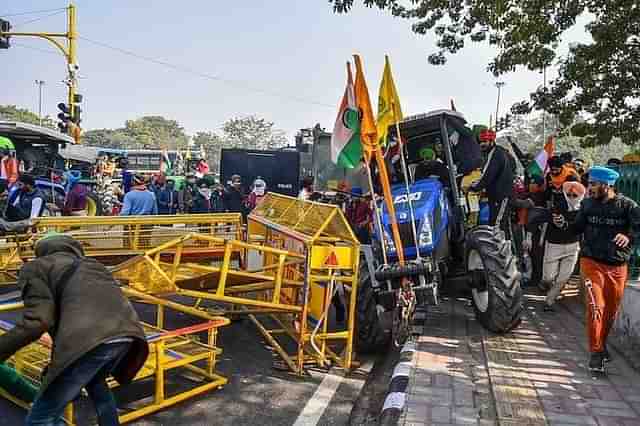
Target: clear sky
(296, 49)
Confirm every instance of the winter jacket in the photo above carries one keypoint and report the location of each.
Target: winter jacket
(554, 197)
(498, 175)
(185, 198)
(233, 200)
(90, 311)
(200, 204)
(599, 222)
(466, 155)
(167, 200)
(21, 205)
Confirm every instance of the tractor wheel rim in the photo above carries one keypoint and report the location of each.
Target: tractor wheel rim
(481, 299)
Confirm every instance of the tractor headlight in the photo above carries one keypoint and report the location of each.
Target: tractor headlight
(425, 238)
(388, 241)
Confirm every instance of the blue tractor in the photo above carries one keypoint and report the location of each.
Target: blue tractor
(452, 243)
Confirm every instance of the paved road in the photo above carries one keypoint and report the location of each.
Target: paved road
(536, 375)
(256, 393)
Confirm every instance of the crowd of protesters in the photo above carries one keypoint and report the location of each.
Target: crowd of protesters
(198, 195)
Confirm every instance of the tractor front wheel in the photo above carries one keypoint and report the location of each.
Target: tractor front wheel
(370, 332)
(496, 291)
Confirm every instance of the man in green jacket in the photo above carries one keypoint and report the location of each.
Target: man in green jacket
(95, 330)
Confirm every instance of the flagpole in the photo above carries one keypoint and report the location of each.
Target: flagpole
(406, 183)
(378, 215)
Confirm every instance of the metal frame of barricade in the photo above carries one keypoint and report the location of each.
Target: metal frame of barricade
(293, 287)
(171, 351)
(111, 239)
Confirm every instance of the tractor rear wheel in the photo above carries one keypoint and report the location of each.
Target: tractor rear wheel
(496, 291)
(370, 333)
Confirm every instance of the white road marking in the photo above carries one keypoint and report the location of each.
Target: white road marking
(318, 403)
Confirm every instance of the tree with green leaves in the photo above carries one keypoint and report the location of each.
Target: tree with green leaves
(598, 81)
(527, 132)
(156, 132)
(211, 143)
(252, 133)
(13, 113)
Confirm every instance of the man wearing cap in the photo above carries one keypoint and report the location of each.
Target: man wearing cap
(27, 202)
(139, 201)
(497, 176)
(95, 331)
(609, 223)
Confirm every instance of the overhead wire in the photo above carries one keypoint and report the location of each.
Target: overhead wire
(234, 83)
(32, 12)
(21, 24)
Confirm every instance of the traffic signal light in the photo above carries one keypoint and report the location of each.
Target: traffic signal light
(507, 120)
(65, 117)
(5, 27)
(75, 130)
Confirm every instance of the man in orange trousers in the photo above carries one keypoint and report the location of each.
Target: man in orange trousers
(608, 222)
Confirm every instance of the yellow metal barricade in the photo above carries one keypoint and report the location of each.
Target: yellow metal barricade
(112, 239)
(299, 255)
(178, 352)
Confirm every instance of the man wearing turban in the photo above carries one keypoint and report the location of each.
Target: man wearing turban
(609, 223)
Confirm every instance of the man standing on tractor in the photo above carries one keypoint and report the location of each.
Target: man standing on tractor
(497, 176)
(609, 223)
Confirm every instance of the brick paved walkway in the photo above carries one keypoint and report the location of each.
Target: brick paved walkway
(536, 375)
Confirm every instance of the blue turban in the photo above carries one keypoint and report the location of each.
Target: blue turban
(603, 175)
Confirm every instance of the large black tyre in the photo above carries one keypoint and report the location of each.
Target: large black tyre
(496, 291)
(370, 333)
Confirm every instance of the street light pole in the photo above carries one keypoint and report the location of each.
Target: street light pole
(40, 83)
(544, 113)
(499, 85)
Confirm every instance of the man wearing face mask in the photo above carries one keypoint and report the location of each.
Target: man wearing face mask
(497, 176)
(186, 194)
(202, 200)
(609, 223)
(562, 246)
(234, 196)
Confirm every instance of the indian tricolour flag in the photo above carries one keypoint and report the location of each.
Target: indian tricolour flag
(538, 167)
(346, 150)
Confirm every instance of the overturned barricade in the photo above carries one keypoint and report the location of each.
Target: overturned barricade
(112, 240)
(299, 255)
(179, 366)
(282, 272)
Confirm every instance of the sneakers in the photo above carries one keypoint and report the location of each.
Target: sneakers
(606, 356)
(596, 362)
(548, 308)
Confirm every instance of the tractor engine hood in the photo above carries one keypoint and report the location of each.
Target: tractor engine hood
(431, 215)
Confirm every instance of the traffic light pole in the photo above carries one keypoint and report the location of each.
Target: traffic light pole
(69, 51)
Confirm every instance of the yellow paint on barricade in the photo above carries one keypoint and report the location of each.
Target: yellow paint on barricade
(177, 352)
(112, 239)
(301, 254)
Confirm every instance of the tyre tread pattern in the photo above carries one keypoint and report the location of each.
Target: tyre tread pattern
(501, 276)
